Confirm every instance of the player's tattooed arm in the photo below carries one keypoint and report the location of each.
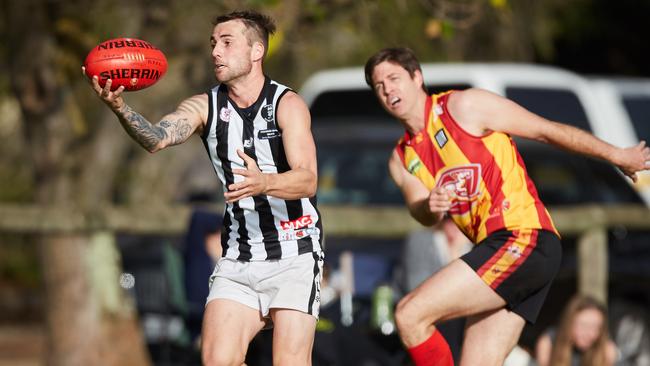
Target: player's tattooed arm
(175, 128)
(140, 129)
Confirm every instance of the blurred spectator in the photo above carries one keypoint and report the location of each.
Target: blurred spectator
(426, 251)
(581, 339)
(519, 357)
(202, 249)
(631, 333)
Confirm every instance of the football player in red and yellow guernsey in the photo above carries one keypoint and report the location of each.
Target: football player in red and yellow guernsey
(457, 158)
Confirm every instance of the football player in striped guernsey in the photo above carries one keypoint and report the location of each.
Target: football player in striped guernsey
(457, 158)
(257, 133)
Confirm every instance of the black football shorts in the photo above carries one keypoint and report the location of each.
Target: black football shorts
(519, 265)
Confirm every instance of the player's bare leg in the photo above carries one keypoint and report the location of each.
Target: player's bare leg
(228, 328)
(293, 337)
(454, 291)
(490, 337)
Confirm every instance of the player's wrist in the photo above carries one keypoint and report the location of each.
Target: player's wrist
(267, 180)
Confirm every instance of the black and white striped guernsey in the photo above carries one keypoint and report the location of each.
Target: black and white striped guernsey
(261, 227)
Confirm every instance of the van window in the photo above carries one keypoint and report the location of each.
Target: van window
(564, 178)
(439, 88)
(559, 105)
(638, 107)
(346, 104)
(354, 138)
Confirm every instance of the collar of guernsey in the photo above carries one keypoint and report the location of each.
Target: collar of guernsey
(492, 188)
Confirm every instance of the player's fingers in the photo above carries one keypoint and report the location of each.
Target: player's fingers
(646, 151)
(107, 88)
(119, 91)
(633, 177)
(238, 186)
(245, 157)
(241, 172)
(235, 196)
(95, 83)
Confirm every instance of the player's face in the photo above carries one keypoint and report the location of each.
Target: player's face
(231, 51)
(587, 327)
(396, 89)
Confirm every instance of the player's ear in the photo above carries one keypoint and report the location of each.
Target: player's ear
(258, 51)
(417, 77)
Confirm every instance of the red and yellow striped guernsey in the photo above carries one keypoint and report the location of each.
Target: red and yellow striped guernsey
(493, 190)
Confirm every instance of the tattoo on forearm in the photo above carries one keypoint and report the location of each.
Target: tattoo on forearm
(141, 130)
(149, 135)
(178, 131)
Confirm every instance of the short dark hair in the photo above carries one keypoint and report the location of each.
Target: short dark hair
(261, 24)
(403, 56)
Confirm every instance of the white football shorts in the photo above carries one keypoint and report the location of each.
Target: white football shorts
(289, 283)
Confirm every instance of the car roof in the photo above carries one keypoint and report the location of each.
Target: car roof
(624, 85)
(488, 75)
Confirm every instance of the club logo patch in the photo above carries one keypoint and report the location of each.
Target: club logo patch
(464, 181)
(267, 112)
(224, 114)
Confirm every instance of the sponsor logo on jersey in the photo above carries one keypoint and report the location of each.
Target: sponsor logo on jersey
(514, 251)
(441, 138)
(248, 142)
(438, 109)
(301, 222)
(414, 166)
(287, 235)
(268, 134)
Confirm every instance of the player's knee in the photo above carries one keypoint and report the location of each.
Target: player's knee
(222, 357)
(289, 358)
(406, 314)
(485, 357)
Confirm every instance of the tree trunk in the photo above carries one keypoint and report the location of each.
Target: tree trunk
(79, 330)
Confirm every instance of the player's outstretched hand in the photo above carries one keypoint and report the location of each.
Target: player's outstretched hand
(635, 159)
(254, 182)
(113, 99)
(440, 200)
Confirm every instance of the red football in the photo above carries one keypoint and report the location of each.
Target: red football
(130, 62)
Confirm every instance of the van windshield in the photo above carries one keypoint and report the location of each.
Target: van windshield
(638, 108)
(355, 137)
(561, 105)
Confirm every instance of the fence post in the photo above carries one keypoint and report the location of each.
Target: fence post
(592, 263)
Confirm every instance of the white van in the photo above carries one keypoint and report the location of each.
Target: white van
(342, 97)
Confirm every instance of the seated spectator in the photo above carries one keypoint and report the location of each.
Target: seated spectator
(201, 251)
(581, 339)
(631, 332)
